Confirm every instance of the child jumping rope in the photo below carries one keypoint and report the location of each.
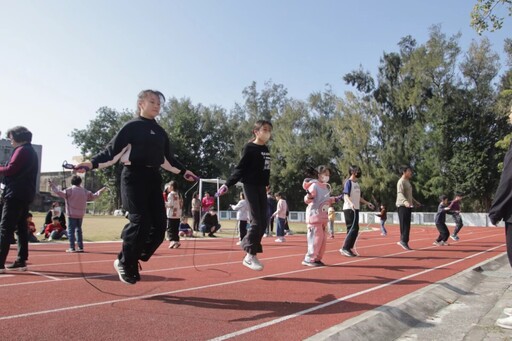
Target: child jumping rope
(352, 199)
(318, 200)
(143, 146)
(253, 171)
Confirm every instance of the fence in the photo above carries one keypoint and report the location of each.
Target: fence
(418, 218)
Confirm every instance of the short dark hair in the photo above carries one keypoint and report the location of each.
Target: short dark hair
(76, 180)
(443, 197)
(404, 168)
(20, 134)
(55, 217)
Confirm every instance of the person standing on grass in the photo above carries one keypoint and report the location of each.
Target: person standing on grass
(352, 200)
(196, 211)
(253, 171)
(405, 203)
(242, 216)
(280, 213)
(143, 146)
(19, 189)
(174, 207)
(76, 198)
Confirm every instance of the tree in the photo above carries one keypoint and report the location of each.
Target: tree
(483, 14)
(94, 138)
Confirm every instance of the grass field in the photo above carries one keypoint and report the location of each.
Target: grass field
(108, 228)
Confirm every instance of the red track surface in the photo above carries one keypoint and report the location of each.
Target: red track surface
(202, 291)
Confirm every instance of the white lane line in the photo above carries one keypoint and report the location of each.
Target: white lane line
(341, 299)
(355, 260)
(45, 275)
(247, 330)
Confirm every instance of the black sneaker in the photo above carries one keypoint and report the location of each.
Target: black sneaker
(404, 246)
(347, 253)
(320, 263)
(18, 265)
(123, 275)
(136, 273)
(211, 235)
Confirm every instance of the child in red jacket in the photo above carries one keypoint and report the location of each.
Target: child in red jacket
(54, 230)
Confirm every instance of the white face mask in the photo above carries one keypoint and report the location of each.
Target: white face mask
(324, 178)
(57, 210)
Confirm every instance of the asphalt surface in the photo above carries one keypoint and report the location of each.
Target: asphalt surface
(462, 307)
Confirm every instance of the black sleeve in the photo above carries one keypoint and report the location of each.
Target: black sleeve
(114, 147)
(48, 218)
(239, 169)
(502, 202)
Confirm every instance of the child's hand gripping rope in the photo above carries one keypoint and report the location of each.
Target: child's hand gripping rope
(189, 176)
(338, 198)
(222, 190)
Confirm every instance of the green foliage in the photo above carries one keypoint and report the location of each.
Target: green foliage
(483, 17)
(427, 107)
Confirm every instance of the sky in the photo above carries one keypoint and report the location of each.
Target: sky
(61, 60)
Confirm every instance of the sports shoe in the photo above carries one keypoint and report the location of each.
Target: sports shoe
(404, 245)
(383, 234)
(123, 275)
(238, 242)
(443, 243)
(505, 322)
(174, 245)
(252, 262)
(454, 237)
(507, 311)
(70, 250)
(18, 265)
(211, 235)
(319, 263)
(347, 253)
(436, 243)
(280, 240)
(80, 250)
(136, 273)
(306, 263)
(2, 270)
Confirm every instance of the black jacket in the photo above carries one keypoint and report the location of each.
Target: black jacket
(501, 207)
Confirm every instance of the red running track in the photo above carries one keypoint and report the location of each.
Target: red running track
(201, 291)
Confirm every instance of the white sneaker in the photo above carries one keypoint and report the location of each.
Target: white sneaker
(252, 262)
(507, 311)
(238, 242)
(505, 322)
(280, 240)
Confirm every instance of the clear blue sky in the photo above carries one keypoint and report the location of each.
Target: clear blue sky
(61, 60)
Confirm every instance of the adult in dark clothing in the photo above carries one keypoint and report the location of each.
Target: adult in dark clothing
(143, 147)
(253, 171)
(501, 209)
(210, 223)
(20, 177)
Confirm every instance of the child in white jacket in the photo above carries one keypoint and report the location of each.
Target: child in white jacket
(242, 216)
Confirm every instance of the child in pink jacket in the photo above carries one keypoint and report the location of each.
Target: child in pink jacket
(318, 199)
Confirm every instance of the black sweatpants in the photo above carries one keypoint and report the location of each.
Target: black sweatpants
(256, 196)
(141, 194)
(444, 233)
(404, 217)
(13, 218)
(508, 238)
(352, 221)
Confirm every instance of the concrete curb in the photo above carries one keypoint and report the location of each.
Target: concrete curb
(390, 321)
